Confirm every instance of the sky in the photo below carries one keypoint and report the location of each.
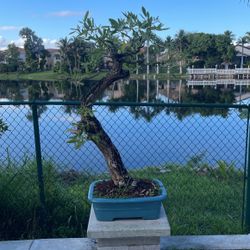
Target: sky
(54, 19)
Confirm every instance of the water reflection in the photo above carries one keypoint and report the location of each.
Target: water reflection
(140, 91)
(167, 91)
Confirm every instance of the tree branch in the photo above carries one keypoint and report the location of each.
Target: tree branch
(97, 89)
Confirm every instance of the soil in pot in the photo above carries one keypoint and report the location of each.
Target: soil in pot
(143, 188)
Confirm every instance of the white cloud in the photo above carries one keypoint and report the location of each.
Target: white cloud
(7, 28)
(50, 43)
(65, 13)
(3, 43)
(19, 42)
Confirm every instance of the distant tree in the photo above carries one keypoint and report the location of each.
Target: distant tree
(247, 36)
(168, 54)
(202, 49)
(2, 55)
(3, 68)
(199, 49)
(64, 48)
(156, 48)
(35, 52)
(79, 52)
(225, 47)
(74, 52)
(94, 59)
(78, 55)
(43, 59)
(181, 42)
(12, 57)
(242, 41)
(169, 44)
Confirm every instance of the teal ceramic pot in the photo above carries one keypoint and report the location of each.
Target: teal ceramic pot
(108, 209)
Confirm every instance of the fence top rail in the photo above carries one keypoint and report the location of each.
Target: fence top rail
(129, 104)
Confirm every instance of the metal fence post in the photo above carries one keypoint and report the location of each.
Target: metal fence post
(39, 159)
(247, 218)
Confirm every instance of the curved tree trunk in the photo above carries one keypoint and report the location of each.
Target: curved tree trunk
(97, 134)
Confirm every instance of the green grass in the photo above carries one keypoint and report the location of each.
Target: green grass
(21, 215)
(200, 201)
(161, 76)
(55, 76)
(50, 76)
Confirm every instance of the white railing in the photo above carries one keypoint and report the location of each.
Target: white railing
(236, 82)
(242, 71)
(225, 71)
(242, 82)
(201, 71)
(201, 83)
(218, 71)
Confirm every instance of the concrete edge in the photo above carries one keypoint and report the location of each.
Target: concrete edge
(206, 242)
(16, 245)
(226, 242)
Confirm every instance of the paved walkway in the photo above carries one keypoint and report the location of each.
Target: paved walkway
(242, 97)
(171, 242)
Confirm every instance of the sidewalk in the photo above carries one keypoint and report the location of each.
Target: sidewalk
(171, 242)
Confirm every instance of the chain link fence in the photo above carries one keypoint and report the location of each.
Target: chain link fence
(198, 151)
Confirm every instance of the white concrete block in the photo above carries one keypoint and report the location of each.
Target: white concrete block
(128, 228)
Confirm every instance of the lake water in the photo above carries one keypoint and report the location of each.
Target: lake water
(145, 136)
(228, 91)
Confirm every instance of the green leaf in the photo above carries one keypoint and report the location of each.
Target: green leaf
(144, 11)
(72, 140)
(113, 22)
(86, 16)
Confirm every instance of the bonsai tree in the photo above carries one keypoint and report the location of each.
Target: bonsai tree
(119, 41)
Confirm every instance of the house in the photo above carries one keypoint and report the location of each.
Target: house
(51, 60)
(245, 50)
(22, 55)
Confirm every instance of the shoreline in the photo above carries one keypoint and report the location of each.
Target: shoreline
(54, 76)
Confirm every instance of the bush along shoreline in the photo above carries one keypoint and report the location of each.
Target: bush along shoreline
(201, 199)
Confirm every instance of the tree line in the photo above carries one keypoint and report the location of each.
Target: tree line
(172, 54)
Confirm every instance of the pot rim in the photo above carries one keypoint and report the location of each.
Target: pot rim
(160, 197)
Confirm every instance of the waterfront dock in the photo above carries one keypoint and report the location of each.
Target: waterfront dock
(214, 73)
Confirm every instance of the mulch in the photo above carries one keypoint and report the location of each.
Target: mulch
(143, 188)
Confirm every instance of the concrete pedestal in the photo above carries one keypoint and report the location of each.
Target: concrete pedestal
(128, 234)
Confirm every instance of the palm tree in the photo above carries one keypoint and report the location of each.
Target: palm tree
(169, 44)
(157, 48)
(64, 47)
(242, 41)
(247, 36)
(181, 43)
(229, 37)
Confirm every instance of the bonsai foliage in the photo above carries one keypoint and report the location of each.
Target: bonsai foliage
(119, 43)
(3, 127)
